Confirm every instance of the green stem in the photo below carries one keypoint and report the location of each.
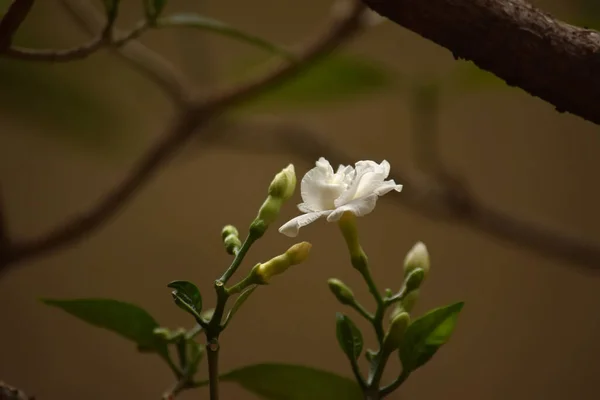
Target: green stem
(212, 354)
(241, 285)
(362, 311)
(365, 271)
(379, 365)
(238, 259)
(394, 385)
(357, 374)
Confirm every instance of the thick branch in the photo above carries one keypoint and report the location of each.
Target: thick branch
(187, 123)
(441, 199)
(10, 393)
(526, 47)
(12, 20)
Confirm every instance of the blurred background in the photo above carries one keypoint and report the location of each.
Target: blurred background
(70, 131)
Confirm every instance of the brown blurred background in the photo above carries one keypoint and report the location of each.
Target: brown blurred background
(531, 323)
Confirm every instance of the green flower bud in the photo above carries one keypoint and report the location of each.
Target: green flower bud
(232, 244)
(417, 257)
(342, 292)
(414, 279)
(409, 301)
(395, 334)
(284, 184)
(262, 273)
(229, 230)
(269, 211)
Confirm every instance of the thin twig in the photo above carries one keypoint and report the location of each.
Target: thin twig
(154, 66)
(12, 20)
(182, 129)
(439, 198)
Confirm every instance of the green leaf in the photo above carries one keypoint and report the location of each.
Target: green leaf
(427, 334)
(348, 336)
(334, 78)
(154, 8)
(241, 299)
(212, 25)
(293, 382)
(124, 319)
(187, 297)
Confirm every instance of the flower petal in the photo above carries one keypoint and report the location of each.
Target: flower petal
(292, 227)
(387, 186)
(319, 187)
(369, 176)
(358, 207)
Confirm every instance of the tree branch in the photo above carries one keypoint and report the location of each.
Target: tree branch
(195, 115)
(162, 72)
(443, 198)
(12, 20)
(526, 47)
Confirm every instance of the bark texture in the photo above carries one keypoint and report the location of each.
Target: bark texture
(519, 43)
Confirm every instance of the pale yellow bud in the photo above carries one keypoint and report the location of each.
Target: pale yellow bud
(284, 184)
(298, 252)
(262, 273)
(417, 257)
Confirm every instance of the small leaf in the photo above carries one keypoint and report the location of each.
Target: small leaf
(238, 303)
(427, 334)
(337, 77)
(293, 382)
(349, 337)
(154, 8)
(187, 297)
(212, 25)
(125, 319)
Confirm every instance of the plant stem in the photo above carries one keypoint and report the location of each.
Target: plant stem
(238, 259)
(362, 311)
(212, 354)
(394, 385)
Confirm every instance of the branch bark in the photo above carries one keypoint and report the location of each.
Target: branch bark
(12, 20)
(519, 43)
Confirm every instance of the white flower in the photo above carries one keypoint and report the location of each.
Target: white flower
(329, 194)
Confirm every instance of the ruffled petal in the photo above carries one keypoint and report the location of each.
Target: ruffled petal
(358, 207)
(311, 186)
(292, 227)
(369, 176)
(386, 187)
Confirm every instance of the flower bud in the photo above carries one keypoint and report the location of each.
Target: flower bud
(395, 334)
(229, 230)
(269, 211)
(284, 184)
(262, 273)
(409, 301)
(232, 244)
(414, 280)
(342, 292)
(417, 257)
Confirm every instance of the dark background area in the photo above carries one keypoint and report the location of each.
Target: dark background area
(70, 131)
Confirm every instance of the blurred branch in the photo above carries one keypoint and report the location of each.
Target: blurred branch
(75, 53)
(195, 114)
(161, 71)
(441, 198)
(526, 47)
(12, 20)
(10, 393)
